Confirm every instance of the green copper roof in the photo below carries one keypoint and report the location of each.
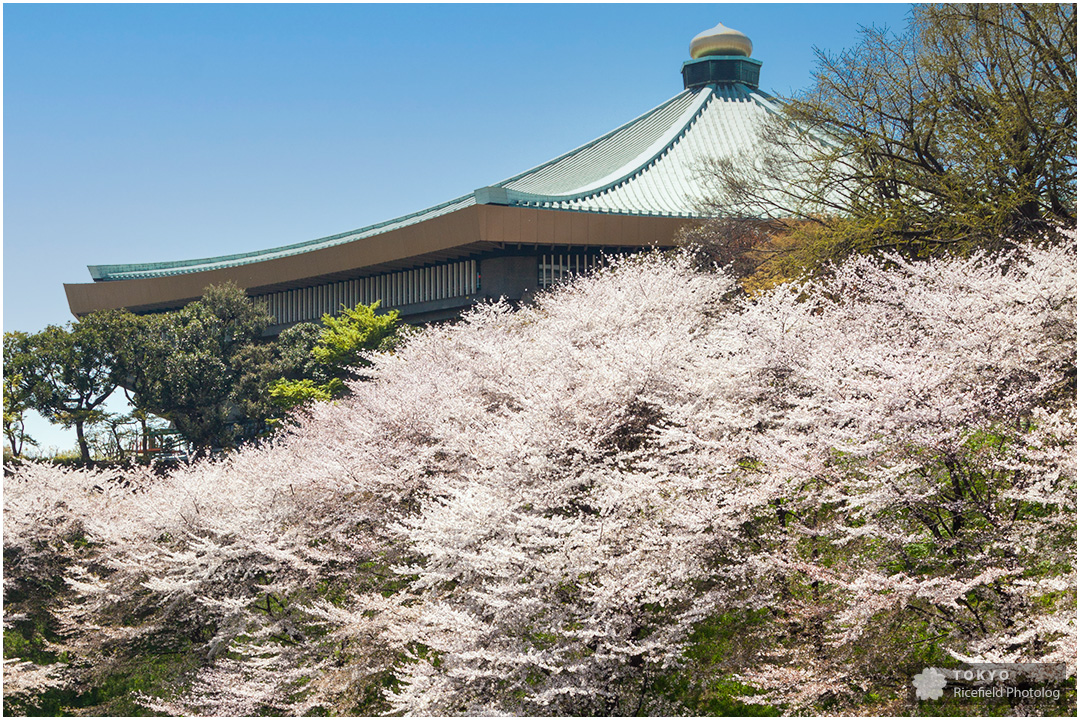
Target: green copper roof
(660, 172)
(179, 267)
(648, 166)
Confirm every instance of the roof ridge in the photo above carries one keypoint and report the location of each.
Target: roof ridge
(641, 167)
(640, 164)
(596, 141)
(652, 153)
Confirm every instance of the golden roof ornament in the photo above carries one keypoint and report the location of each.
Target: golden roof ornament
(720, 40)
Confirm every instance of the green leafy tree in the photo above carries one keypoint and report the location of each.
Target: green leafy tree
(111, 435)
(15, 406)
(338, 353)
(141, 343)
(262, 365)
(68, 373)
(287, 394)
(346, 338)
(960, 131)
(17, 393)
(199, 373)
(183, 365)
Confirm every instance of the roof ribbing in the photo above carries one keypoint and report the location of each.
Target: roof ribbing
(645, 167)
(608, 154)
(663, 179)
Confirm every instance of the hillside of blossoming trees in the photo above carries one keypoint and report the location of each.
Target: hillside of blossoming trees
(647, 493)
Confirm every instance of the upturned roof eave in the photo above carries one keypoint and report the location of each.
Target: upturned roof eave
(472, 231)
(137, 270)
(502, 193)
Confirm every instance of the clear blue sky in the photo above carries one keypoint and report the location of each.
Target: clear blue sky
(144, 133)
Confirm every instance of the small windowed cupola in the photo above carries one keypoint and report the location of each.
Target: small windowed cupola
(720, 56)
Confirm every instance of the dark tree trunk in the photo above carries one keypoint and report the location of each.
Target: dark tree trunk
(84, 449)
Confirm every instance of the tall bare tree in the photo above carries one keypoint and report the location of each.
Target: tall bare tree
(958, 131)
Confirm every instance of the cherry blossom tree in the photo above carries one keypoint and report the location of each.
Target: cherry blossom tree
(542, 510)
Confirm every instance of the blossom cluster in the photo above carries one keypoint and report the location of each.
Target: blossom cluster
(533, 511)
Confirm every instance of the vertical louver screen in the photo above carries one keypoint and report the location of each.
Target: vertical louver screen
(398, 289)
(557, 268)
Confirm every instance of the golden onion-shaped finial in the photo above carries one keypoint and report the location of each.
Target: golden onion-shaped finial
(720, 40)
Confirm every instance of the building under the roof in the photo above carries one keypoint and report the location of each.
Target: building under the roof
(629, 189)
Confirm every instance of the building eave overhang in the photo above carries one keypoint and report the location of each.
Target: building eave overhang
(633, 186)
(135, 271)
(469, 231)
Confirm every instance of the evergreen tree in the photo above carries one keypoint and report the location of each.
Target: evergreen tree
(185, 366)
(66, 373)
(343, 347)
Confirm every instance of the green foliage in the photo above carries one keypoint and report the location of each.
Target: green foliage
(205, 368)
(17, 400)
(962, 128)
(294, 346)
(65, 373)
(335, 355)
(262, 366)
(199, 373)
(288, 394)
(185, 366)
(346, 338)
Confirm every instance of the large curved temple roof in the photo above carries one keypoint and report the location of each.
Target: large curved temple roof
(630, 188)
(646, 167)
